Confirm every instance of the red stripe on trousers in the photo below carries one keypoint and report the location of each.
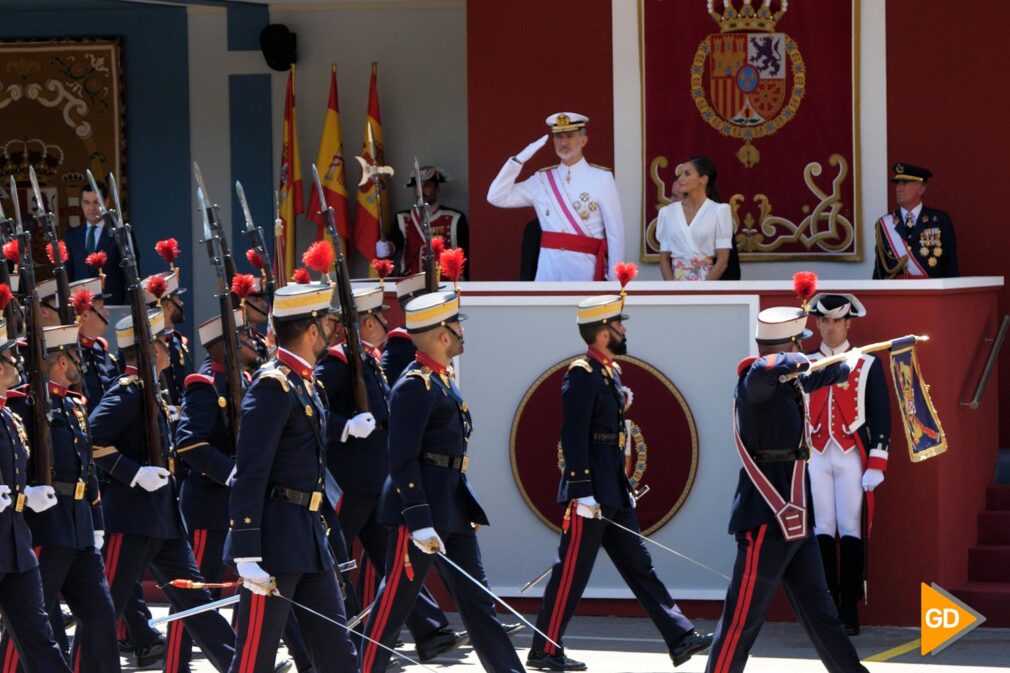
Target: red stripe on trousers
(567, 573)
(112, 556)
(252, 637)
(77, 660)
(388, 597)
(743, 601)
(12, 658)
(175, 630)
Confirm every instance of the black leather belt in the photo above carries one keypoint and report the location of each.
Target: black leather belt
(445, 460)
(781, 455)
(312, 500)
(611, 438)
(70, 489)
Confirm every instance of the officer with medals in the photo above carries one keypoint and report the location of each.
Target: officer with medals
(398, 350)
(850, 429)
(21, 598)
(69, 534)
(594, 483)
(576, 203)
(770, 515)
(277, 539)
(426, 497)
(101, 368)
(408, 238)
(914, 241)
(356, 455)
(206, 444)
(145, 528)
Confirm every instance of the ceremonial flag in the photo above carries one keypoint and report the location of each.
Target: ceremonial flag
(290, 187)
(367, 218)
(922, 425)
(330, 164)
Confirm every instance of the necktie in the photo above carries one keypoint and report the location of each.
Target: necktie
(89, 245)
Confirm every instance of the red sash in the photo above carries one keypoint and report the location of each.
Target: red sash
(792, 515)
(580, 241)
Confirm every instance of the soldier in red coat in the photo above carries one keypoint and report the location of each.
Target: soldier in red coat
(408, 236)
(850, 428)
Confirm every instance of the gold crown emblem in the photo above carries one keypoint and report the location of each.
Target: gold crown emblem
(747, 17)
(18, 154)
(562, 120)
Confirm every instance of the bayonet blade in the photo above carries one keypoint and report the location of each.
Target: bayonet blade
(200, 183)
(3, 216)
(35, 188)
(207, 234)
(114, 191)
(98, 193)
(319, 189)
(417, 184)
(249, 226)
(17, 204)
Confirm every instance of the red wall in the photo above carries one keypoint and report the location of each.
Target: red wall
(946, 110)
(525, 60)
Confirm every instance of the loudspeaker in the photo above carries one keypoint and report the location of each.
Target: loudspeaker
(279, 46)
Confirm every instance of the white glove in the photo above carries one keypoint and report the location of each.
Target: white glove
(174, 412)
(629, 397)
(852, 358)
(254, 578)
(427, 540)
(150, 478)
(360, 426)
(531, 149)
(5, 497)
(588, 507)
(99, 540)
(872, 478)
(40, 498)
(383, 249)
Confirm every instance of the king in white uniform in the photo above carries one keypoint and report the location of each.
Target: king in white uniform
(576, 203)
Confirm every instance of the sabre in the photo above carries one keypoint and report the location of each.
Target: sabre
(540, 578)
(206, 607)
(669, 549)
(496, 598)
(361, 616)
(840, 357)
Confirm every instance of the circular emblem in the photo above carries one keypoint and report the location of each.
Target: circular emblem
(667, 464)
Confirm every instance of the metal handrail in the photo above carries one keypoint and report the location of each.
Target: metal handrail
(989, 364)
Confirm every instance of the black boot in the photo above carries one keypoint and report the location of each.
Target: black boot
(829, 556)
(851, 583)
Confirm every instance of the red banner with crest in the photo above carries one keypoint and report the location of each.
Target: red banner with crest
(767, 89)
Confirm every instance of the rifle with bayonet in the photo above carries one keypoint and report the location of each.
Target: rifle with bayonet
(210, 210)
(423, 212)
(348, 313)
(281, 277)
(143, 339)
(13, 315)
(37, 367)
(46, 223)
(229, 332)
(258, 244)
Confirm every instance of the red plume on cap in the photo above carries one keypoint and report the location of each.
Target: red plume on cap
(81, 301)
(437, 246)
(5, 295)
(12, 251)
(383, 267)
(242, 285)
(157, 286)
(255, 259)
(319, 257)
(96, 259)
(301, 276)
(64, 255)
(169, 250)
(805, 286)
(625, 272)
(451, 263)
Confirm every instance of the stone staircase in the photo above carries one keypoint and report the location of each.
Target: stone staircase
(988, 586)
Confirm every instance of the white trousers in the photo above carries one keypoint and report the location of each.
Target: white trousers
(836, 481)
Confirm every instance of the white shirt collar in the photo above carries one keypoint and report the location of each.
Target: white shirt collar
(99, 225)
(574, 168)
(828, 350)
(915, 213)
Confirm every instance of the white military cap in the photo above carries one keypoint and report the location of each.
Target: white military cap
(600, 310)
(562, 122)
(127, 338)
(60, 337)
(47, 292)
(171, 286)
(435, 309)
(781, 324)
(92, 285)
(303, 300)
(211, 330)
(837, 305)
(369, 300)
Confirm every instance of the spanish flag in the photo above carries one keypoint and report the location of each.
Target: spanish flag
(330, 164)
(366, 218)
(290, 188)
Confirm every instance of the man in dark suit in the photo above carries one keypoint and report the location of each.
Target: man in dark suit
(95, 236)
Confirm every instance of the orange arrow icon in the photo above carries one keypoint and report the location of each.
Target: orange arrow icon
(944, 619)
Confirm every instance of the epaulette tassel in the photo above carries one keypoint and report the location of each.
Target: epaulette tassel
(407, 567)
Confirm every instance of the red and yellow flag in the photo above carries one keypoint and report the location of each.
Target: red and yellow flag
(330, 164)
(366, 218)
(290, 188)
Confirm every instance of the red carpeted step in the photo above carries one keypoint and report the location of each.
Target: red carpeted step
(998, 498)
(989, 563)
(992, 599)
(994, 528)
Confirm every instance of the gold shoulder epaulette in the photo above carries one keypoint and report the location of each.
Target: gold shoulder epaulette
(424, 373)
(276, 374)
(582, 363)
(548, 168)
(603, 168)
(129, 380)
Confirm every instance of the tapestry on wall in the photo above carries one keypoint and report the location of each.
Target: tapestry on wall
(768, 90)
(61, 105)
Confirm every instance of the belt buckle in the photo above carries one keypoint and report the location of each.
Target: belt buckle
(620, 441)
(315, 501)
(171, 465)
(79, 490)
(465, 465)
(19, 505)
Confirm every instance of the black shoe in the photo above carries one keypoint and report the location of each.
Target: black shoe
(513, 628)
(442, 641)
(152, 654)
(692, 643)
(68, 619)
(852, 629)
(284, 666)
(126, 646)
(553, 662)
